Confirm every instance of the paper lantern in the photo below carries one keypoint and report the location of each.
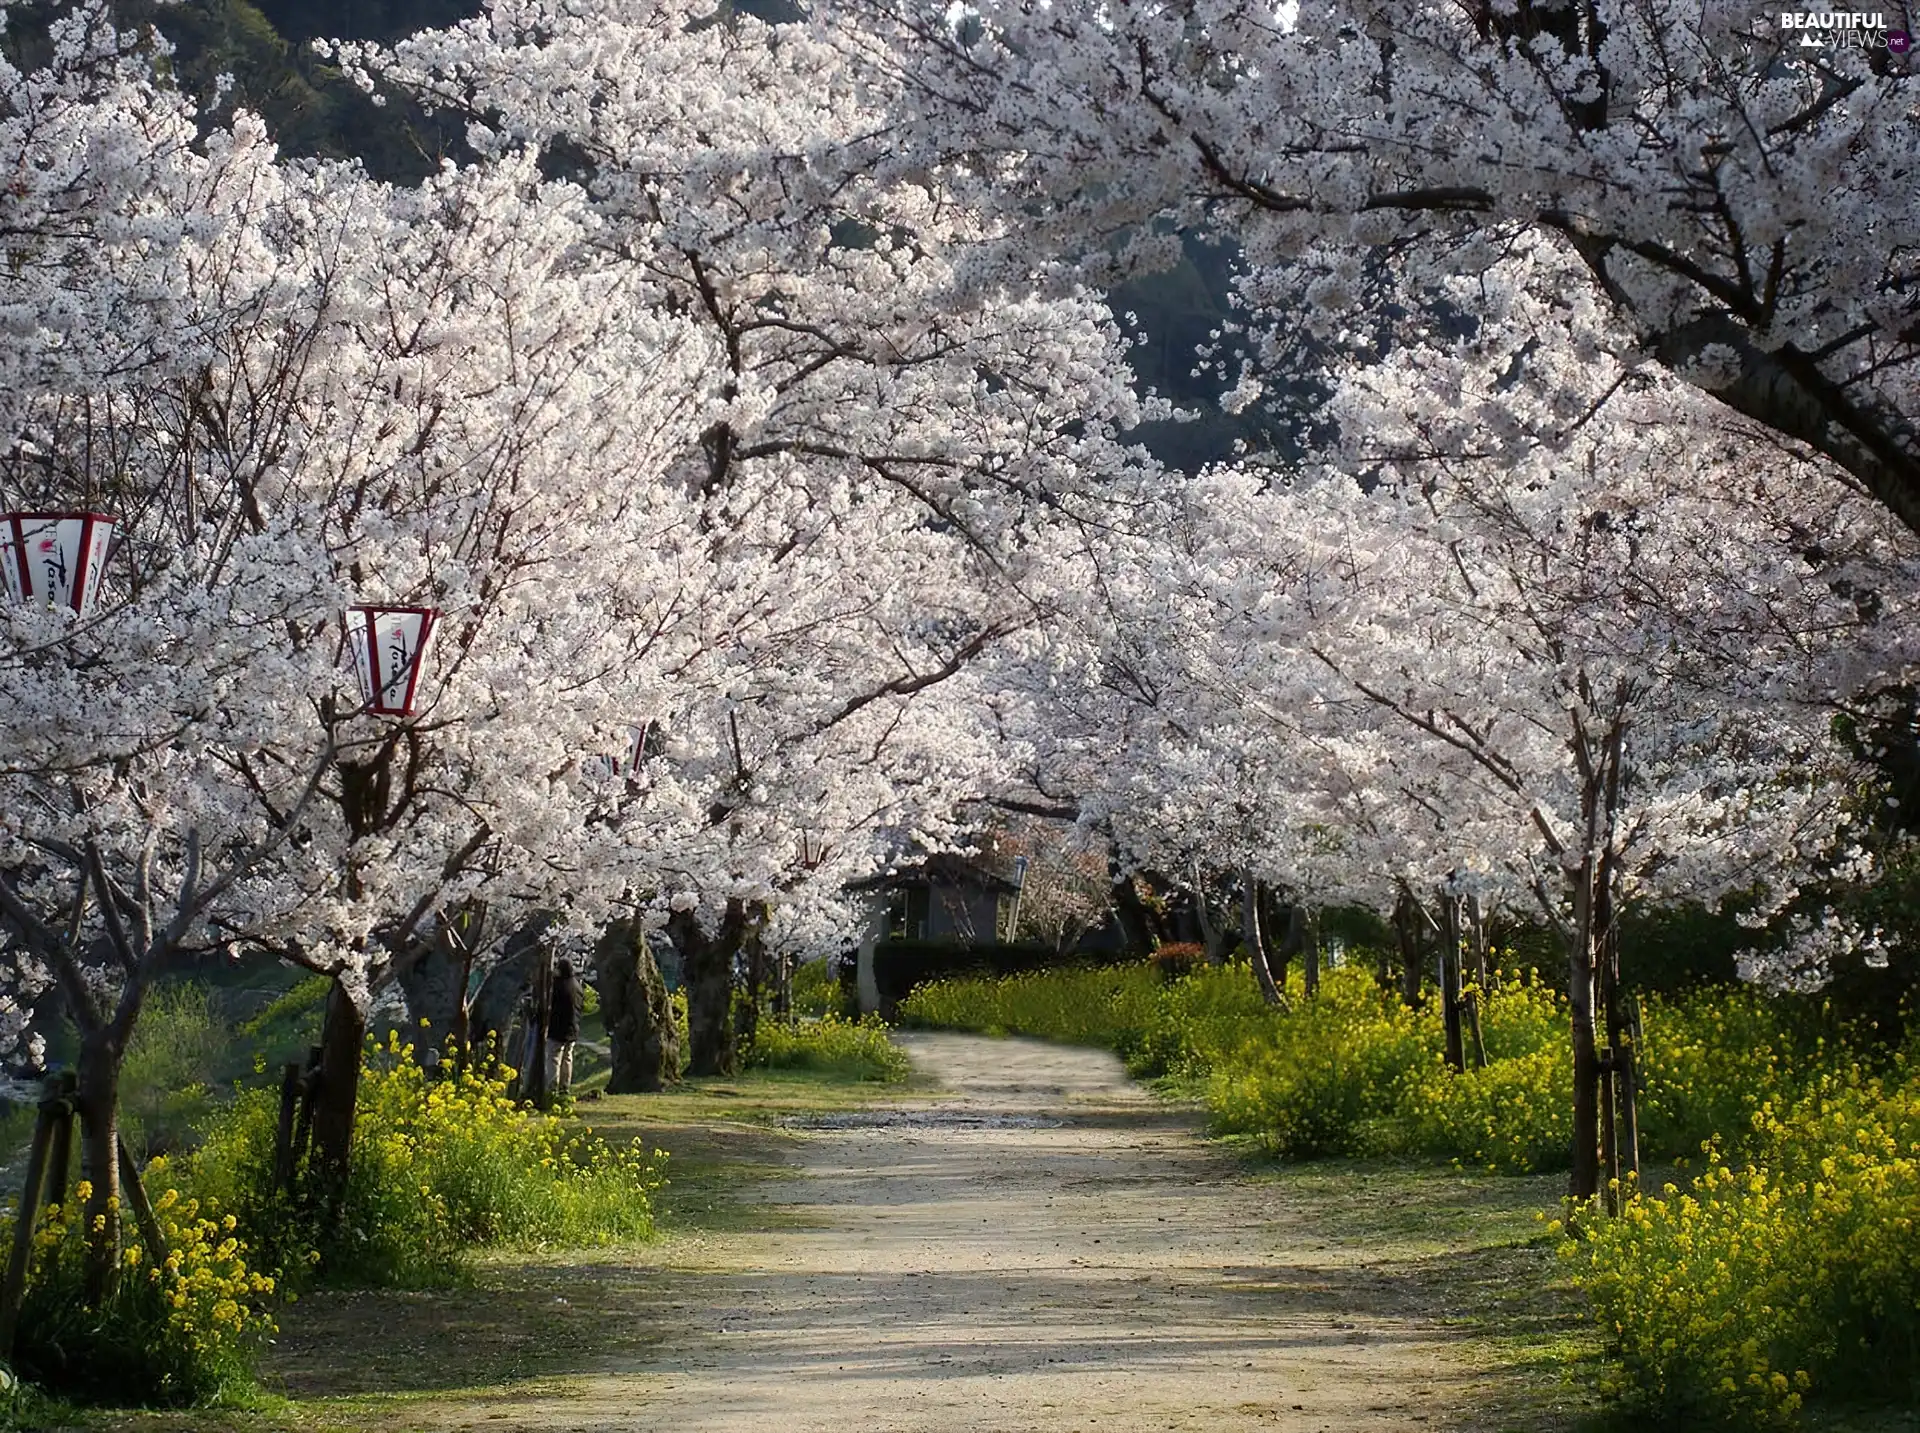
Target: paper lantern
(55, 558)
(609, 767)
(387, 645)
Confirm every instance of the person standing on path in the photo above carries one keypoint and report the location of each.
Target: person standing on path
(563, 1026)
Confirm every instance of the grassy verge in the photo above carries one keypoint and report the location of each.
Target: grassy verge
(1464, 1249)
(520, 1326)
(1470, 1250)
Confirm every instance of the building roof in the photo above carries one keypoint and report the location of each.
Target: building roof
(943, 868)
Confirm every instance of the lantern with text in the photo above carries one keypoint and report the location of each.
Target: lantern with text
(55, 558)
(813, 851)
(387, 645)
(642, 742)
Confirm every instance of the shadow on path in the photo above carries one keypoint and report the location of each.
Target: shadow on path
(1041, 1246)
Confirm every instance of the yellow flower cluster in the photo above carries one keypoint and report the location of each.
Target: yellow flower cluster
(446, 1164)
(1710, 1062)
(196, 1313)
(1801, 1270)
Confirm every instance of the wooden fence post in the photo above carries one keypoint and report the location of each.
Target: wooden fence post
(60, 1158)
(283, 1157)
(14, 1287)
(136, 1196)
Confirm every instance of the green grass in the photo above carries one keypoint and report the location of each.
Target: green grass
(518, 1324)
(1463, 1248)
(173, 1064)
(830, 1045)
(1470, 1250)
(721, 1134)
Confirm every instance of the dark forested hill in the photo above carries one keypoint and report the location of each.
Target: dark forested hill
(303, 20)
(309, 105)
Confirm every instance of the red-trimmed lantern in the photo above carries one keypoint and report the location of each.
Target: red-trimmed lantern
(388, 644)
(637, 751)
(56, 558)
(608, 767)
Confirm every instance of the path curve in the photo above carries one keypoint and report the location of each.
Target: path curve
(1038, 1246)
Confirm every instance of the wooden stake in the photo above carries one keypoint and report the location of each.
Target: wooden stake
(283, 1160)
(136, 1194)
(14, 1288)
(60, 1159)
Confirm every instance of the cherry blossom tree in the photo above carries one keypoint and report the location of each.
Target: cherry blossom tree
(1741, 203)
(133, 248)
(299, 391)
(873, 497)
(1575, 639)
(489, 393)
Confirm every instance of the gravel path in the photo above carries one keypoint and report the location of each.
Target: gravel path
(1039, 1247)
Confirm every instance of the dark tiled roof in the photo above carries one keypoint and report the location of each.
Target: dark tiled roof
(942, 869)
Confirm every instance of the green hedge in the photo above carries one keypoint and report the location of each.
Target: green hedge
(1355, 1072)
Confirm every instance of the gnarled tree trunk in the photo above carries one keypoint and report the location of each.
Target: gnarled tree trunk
(643, 1044)
(708, 963)
(494, 1007)
(435, 985)
(1130, 913)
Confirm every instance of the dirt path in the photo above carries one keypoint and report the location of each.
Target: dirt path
(1041, 1246)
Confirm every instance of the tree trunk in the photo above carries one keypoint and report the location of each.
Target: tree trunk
(1130, 913)
(1310, 950)
(1620, 1124)
(642, 1042)
(1406, 934)
(435, 984)
(97, 1102)
(533, 1079)
(1474, 972)
(1277, 917)
(1584, 1178)
(866, 980)
(495, 1007)
(343, 1041)
(1213, 931)
(1255, 939)
(746, 1023)
(708, 962)
(1593, 976)
(1448, 970)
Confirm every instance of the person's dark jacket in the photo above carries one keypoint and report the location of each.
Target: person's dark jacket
(563, 1012)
